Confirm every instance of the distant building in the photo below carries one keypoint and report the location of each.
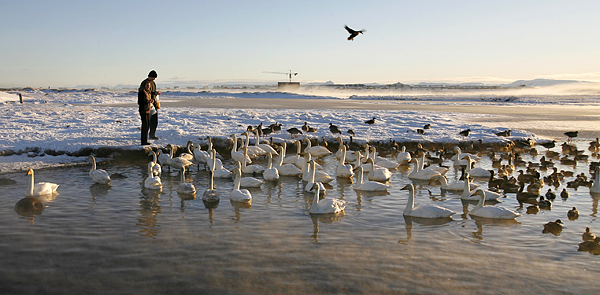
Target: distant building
(288, 85)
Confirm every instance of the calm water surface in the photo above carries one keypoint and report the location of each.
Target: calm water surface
(123, 239)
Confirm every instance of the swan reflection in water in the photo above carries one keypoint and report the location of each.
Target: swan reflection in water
(480, 222)
(324, 218)
(369, 197)
(29, 207)
(238, 208)
(149, 211)
(432, 222)
(98, 190)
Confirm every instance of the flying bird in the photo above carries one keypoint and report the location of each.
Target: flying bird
(353, 33)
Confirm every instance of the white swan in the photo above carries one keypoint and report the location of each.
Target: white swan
(189, 155)
(253, 151)
(370, 186)
(177, 162)
(271, 173)
(156, 168)
(320, 176)
(236, 154)
(286, 169)
(310, 185)
(213, 162)
(327, 205)
(266, 147)
(185, 187)
(201, 156)
(316, 151)
(383, 162)
(248, 181)
(237, 194)
(452, 186)
(422, 174)
(458, 154)
(40, 188)
(153, 180)
(350, 155)
(491, 211)
(221, 172)
(403, 157)
(595, 189)
(211, 195)
(98, 175)
(378, 173)
(252, 169)
(423, 211)
(476, 172)
(468, 193)
(163, 158)
(343, 170)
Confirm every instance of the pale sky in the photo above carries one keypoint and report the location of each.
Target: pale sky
(70, 43)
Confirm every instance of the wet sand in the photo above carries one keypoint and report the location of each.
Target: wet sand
(543, 120)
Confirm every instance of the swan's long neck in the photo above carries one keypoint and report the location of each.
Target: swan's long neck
(467, 186)
(270, 163)
(306, 168)
(183, 174)
(298, 148)
(343, 157)
(211, 185)
(281, 155)
(93, 163)
(481, 200)
(171, 148)
(411, 200)
(234, 143)
(312, 171)
(308, 144)
(444, 181)
(214, 159)
(154, 157)
(315, 199)
(31, 184)
(150, 169)
(244, 159)
(189, 149)
(257, 138)
(237, 180)
(359, 176)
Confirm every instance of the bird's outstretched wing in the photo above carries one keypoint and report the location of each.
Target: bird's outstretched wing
(351, 31)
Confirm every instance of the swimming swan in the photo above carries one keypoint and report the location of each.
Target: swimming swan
(491, 211)
(423, 211)
(327, 205)
(270, 173)
(153, 180)
(98, 175)
(595, 189)
(452, 186)
(370, 186)
(185, 187)
(40, 188)
(286, 169)
(468, 192)
(310, 186)
(237, 194)
(343, 170)
(316, 151)
(211, 195)
(377, 172)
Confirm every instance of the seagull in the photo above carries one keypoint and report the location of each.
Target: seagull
(571, 134)
(465, 133)
(353, 33)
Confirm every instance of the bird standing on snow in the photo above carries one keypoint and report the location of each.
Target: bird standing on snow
(353, 33)
(571, 134)
(370, 122)
(465, 133)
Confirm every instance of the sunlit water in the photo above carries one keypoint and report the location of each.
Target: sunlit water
(123, 239)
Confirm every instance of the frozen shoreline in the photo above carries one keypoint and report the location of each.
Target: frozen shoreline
(78, 121)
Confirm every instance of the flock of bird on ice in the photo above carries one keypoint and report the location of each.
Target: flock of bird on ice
(377, 169)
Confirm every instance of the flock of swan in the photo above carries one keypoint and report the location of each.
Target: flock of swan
(367, 171)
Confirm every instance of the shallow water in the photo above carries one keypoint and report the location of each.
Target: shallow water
(123, 239)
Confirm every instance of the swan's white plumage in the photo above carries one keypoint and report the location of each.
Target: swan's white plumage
(286, 169)
(327, 205)
(271, 173)
(252, 169)
(185, 187)
(468, 192)
(40, 188)
(238, 155)
(153, 180)
(422, 174)
(491, 211)
(98, 175)
(316, 151)
(403, 156)
(595, 189)
(378, 173)
(211, 195)
(452, 186)
(237, 194)
(343, 170)
(371, 186)
(424, 211)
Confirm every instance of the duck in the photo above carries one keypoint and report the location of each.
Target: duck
(378, 173)
(40, 188)
(588, 235)
(553, 227)
(251, 169)
(452, 186)
(595, 189)
(550, 195)
(310, 186)
(211, 195)
(592, 246)
(98, 175)
(493, 212)
(185, 187)
(327, 205)
(316, 151)
(544, 204)
(343, 170)
(270, 173)
(153, 180)
(423, 211)
(573, 214)
(564, 194)
(286, 169)
(238, 155)
(238, 194)
(371, 186)
(403, 157)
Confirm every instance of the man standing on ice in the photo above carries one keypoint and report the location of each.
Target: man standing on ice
(153, 107)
